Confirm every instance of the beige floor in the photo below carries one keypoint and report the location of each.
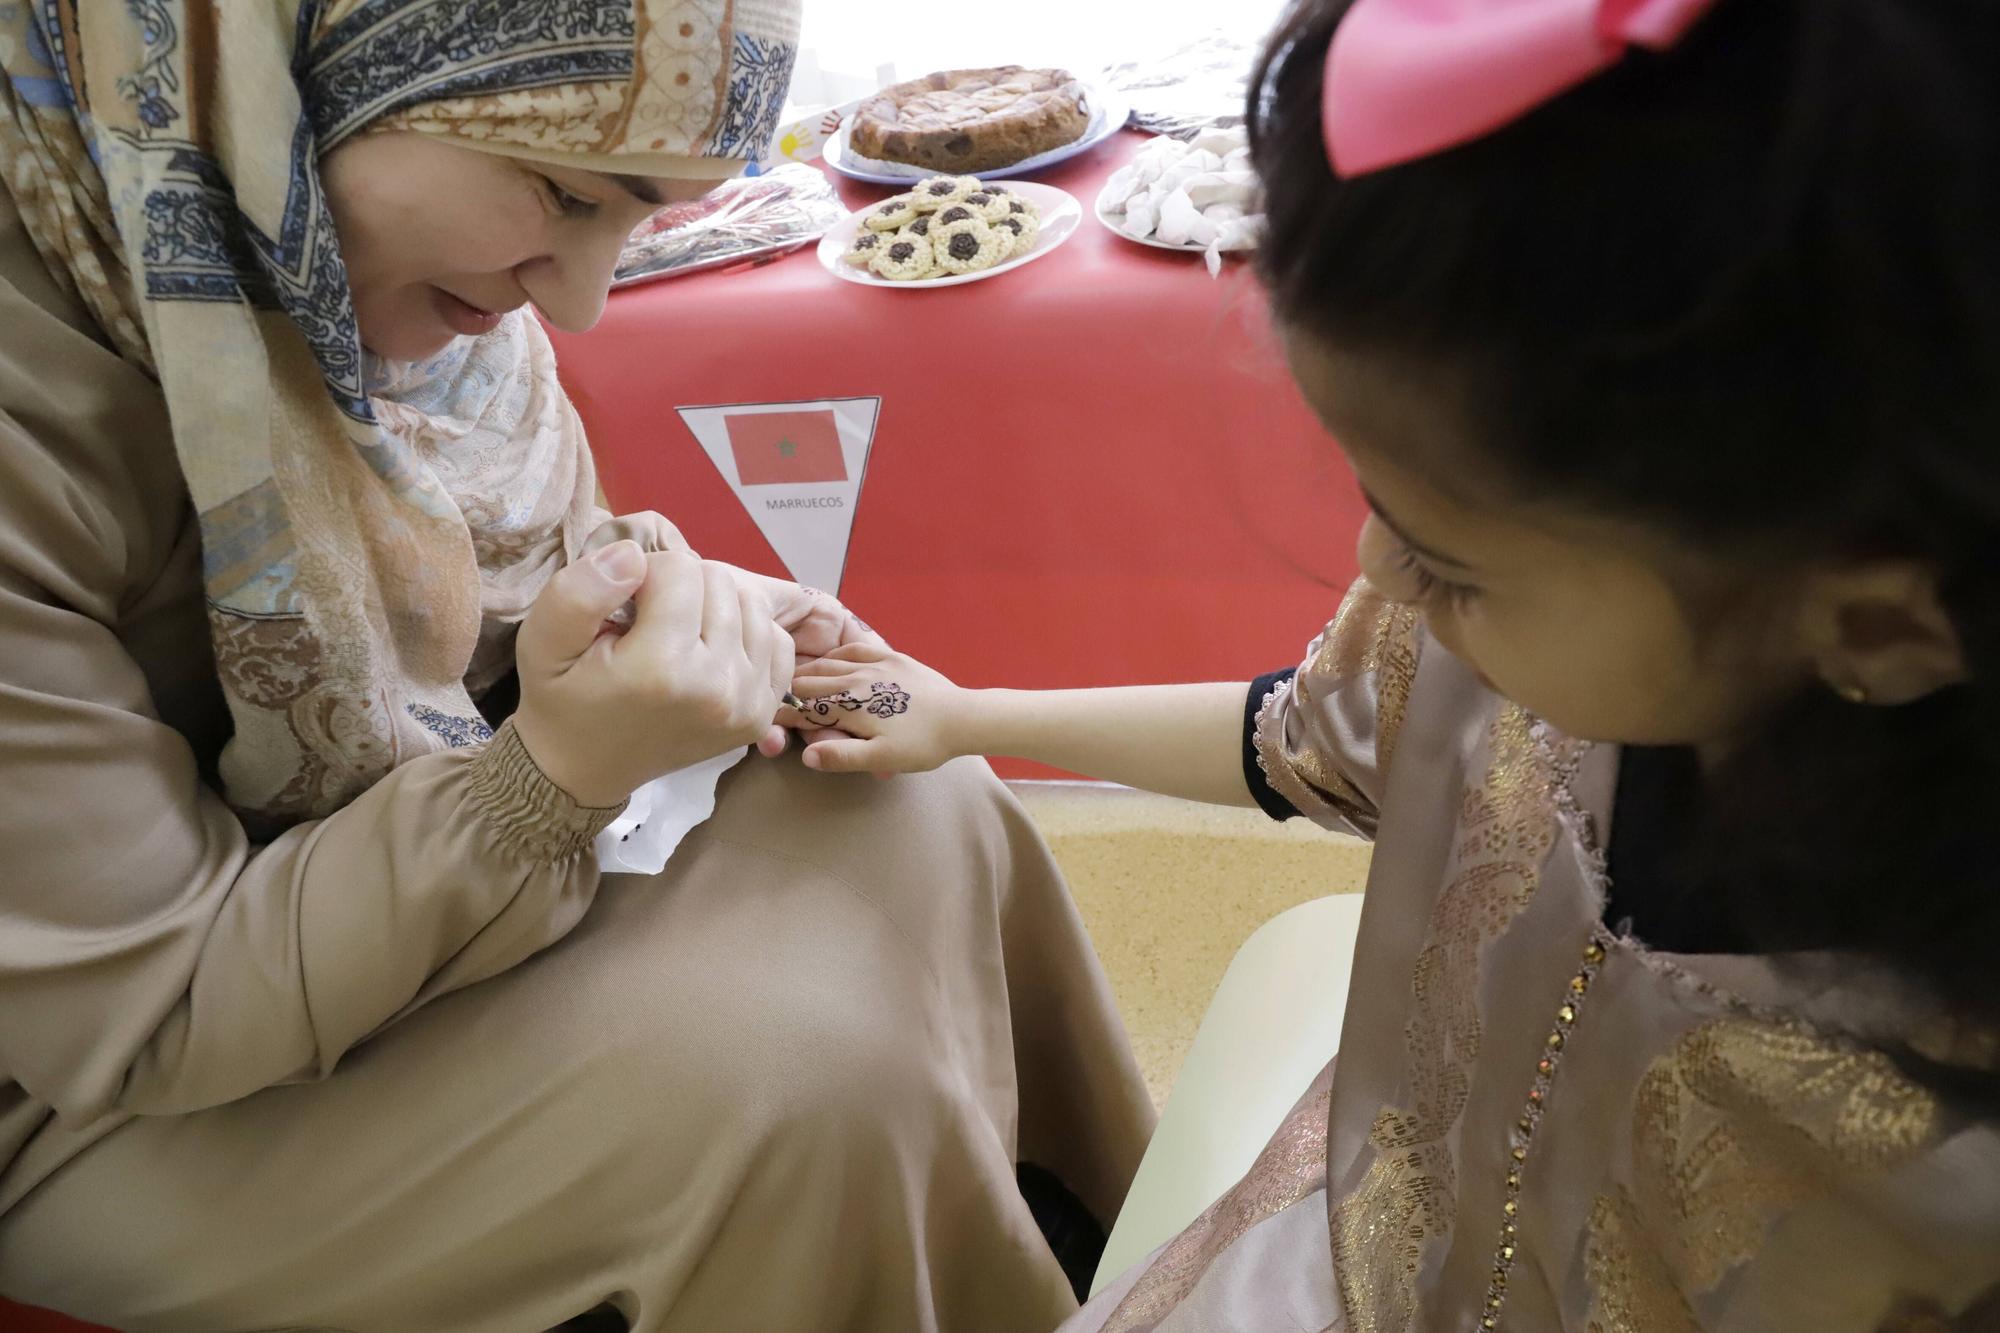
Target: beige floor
(1171, 889)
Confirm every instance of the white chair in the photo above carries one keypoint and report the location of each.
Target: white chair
(1274, 1022)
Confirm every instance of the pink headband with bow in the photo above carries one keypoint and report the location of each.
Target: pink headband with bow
(1408, 78)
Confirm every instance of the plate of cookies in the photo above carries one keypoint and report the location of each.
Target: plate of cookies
(949, 230)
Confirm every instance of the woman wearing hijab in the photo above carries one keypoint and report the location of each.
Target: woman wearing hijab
(314, 1008)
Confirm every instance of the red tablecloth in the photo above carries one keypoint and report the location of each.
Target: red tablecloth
(1093, 470)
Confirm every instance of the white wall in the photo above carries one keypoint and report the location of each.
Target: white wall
(843, 58)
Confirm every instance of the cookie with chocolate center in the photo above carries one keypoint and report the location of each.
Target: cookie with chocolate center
(1015, 236)
(987, 204)
(892, 213)
(1023, 228)
(969, 246)
(941, 192)
(862, 250)
(904, 258)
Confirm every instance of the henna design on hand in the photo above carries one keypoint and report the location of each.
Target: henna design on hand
(885, 699)
(888, 699)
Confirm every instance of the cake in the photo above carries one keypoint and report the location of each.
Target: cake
(967, 120)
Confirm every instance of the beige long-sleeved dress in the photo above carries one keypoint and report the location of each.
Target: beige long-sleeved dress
(414, 1066)
(1536, 1122)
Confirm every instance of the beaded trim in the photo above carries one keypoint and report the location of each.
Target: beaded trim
(1524, 1128)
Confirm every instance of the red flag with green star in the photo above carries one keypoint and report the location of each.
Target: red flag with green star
(782, 448)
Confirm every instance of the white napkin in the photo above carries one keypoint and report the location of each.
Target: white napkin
(659, 815)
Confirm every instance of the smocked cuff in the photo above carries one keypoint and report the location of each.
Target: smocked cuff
(529, 814)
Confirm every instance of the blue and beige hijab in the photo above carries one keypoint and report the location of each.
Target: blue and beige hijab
(371, 534)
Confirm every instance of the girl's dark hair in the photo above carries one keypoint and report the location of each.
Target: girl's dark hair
(1746, 291)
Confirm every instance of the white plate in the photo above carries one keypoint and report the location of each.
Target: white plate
(1109, 112)
(1114, 220)
(1061, 215)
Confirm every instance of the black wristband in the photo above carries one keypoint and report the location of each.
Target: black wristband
(1267, 798)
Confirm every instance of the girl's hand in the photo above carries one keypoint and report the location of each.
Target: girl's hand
(871, 710)
(699, 672)
(818, 624)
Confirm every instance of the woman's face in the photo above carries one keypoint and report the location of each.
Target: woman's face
(440, 241)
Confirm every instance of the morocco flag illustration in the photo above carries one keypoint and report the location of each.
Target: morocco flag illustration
(797, 468)
(774, 448)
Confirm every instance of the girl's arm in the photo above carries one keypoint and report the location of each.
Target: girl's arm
(1323, 736)
(870, 710)
(1179, 740)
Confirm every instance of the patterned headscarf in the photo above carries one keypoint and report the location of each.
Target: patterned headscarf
(371, 533)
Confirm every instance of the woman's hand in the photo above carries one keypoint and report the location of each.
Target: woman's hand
(699, 672)
(816, 620)
(871, 710)
(653, 531)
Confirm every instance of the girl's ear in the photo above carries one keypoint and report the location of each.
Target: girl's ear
(1877, 632)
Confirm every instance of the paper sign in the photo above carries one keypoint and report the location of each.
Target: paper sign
(798, 469)
(803, 138)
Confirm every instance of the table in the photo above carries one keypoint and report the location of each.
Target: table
(1091, 471)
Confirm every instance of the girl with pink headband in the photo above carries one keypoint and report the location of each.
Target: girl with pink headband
(1664, 339)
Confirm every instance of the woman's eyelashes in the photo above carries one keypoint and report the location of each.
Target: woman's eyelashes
(569, 205)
